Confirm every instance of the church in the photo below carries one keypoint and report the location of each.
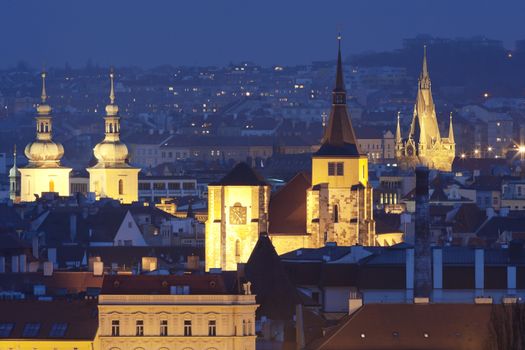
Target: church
(111, 177)
(424, 144)
(330, 204)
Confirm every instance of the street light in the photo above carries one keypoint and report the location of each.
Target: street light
(463, 155)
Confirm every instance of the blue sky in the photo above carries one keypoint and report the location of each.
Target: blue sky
(202, 32)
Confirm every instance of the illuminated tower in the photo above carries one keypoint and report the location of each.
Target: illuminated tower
(237, 215)
(43, 173)
(339, 203)
(14, 180)
(112, 176)
(424, 145)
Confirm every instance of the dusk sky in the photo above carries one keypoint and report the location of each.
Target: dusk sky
(202, 32)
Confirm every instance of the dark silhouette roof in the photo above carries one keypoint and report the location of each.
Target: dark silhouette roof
(241, 175)
(274, 292)
(339, 138)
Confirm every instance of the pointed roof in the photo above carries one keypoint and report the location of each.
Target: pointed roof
(241, 175)
(339, 137)
(398, 128)
(451, 131)
(274, 291)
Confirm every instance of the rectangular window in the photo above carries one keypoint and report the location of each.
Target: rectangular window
(244, 327)
(174, 185)
(187, 328)
(331, 169)
(144, 186)
(340, 169)
(5, 329)
(335, 169)
(188, 185)
(31, 330)
(58, 330)
(212, 328)
(159, 186)
(139, 325)
(115, 328)
(163, 328)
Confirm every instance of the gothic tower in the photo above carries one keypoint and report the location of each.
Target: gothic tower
(339, 203)
(43, 173)
(424, 144)
(112, 176)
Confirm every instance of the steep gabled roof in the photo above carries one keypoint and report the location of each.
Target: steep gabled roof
(241, 175)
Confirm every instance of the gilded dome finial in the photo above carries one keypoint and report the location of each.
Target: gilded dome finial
(112, 91)
(44, 95)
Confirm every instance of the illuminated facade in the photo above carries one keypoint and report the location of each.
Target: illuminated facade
(177, 321)
(14, 181)
(424, 145)
(112, 176)
(237, 215)
(43, 173)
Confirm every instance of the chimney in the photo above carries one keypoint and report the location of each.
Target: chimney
(35, 247)
(73, 227)
(52, 255)
(48, 268)
(98, 268)
(422, 252)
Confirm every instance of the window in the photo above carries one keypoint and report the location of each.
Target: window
(335, 169)
(120, 187)
(144, 186)
(244, 327)
(336, 213)
(51, 186)
(159, 186)
(340, 169)
(187, 328)
(31, 330)
(164, 328)
(139, 327)
(115, 328)
(58, 330)
(331, 169)
(5, 329)
(188, 185)
(173, 185)
(212, 328)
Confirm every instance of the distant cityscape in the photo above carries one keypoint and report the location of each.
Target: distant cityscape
(375, 201)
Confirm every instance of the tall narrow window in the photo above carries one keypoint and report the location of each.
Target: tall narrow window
(212, 328)
(139, 325)
(187, 328)
(115, 328)
(336, 213)
(331, 169)
(163, 328)
(243, 327)
(237, 249)
(340, 169)
(120, 187)
(51, 186)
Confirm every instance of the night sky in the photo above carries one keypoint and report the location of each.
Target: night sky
(207, 32)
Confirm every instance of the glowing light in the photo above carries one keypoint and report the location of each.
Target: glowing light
(521, 149)
(489, 149)
(476, 151)
(486, 94)
(463, 155)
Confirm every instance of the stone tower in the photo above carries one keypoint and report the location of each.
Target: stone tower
(339, 203)
(237, 215)
(43, 173)
(424, 144)
(112, 176)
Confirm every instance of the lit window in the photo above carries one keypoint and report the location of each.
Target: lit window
(31, 330)
(139, 325)
(212, 328)
(115, 328)
(58, 330)
(164, 328)
(5, 329)
(187, 328)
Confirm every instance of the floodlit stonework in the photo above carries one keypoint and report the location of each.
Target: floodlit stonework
(424, 145)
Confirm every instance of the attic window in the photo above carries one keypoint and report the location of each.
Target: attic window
(5, 329)
(58, 330)
(31, 330)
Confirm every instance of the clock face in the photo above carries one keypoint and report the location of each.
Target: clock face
(237, 214)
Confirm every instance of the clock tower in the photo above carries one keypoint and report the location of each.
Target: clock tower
(237, 215)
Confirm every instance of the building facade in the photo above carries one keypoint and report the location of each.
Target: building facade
(112, 176)
(424, 144)
(43, 173)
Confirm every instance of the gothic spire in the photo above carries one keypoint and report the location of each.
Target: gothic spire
(451, 131)
(339, 80)
(398, 129)
(43, 96)
(424, 77)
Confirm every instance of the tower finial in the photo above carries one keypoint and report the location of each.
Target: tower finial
(398, 128)
(112, 91)
(43, 96)
(424, 70)
(451, 131)
(339, 82)
(14, 151)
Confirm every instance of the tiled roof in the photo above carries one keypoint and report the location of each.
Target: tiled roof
(241, 175)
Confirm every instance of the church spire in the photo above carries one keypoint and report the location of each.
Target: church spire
(43, 96)
(398, 129)
(451, 131)
(424, 77)
(339, 137)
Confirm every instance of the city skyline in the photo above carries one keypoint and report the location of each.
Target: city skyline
(113, 34)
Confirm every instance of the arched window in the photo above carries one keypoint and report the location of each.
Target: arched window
(120, 187)
(42, 127)
(51, 186)
(46, 127)
(336, 213)
(238, 249)
(110, 128)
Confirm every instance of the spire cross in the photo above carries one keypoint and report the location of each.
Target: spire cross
(398, 115)
(112, 91)
(450, 116)
(44, 95)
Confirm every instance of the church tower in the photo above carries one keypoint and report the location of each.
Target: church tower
(339, 203)
(43, 173)
(112, 176)
(237, 215)
(424, 145)
(14, 181)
